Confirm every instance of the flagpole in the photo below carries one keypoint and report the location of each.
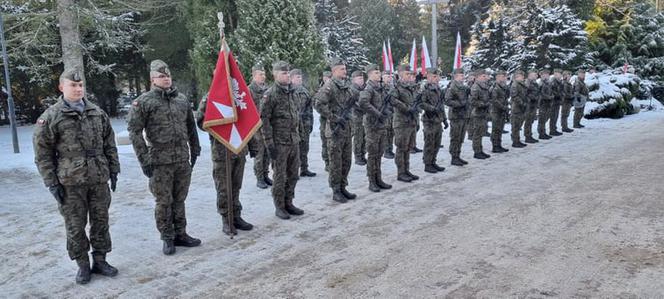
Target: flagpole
(230, 208)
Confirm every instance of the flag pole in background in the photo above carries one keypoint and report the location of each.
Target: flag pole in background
(389, 54)
(457, 53)
(413, 58)
(426, 60)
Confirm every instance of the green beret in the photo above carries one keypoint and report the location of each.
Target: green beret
(281, 66)
(520, 72)
(457, 72)
(567, 72)
(72, 74)
(336, 62)
(501, 72)
(403, 68)
(545, 71)
(327, 74)
(295, 72)
(533, 71)
(371, 67)
(159, 66)
(357, 74)
(557, 70)
(257, 67)
(433, 71)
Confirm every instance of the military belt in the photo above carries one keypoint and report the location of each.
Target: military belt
(89, 153)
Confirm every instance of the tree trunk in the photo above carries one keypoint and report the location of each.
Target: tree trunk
(72, 53)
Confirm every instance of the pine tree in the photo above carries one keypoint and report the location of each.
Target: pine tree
(340, 35)
(377, 23)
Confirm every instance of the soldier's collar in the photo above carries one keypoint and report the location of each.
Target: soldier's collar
(340, 83)
(287, 88)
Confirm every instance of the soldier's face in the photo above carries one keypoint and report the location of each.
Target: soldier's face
(359, 80)
(432, 78)
(72, 90)
(162, 80)
(339, 72)
(374, 76)
(558, 75)
(258, 77)
(282, 77)
(532, 76)
(545, 76)
(296, 79)
(483, 78)
(387, 78)
(518, 78)
(407, 76)
(325, 79)
(501, 78)
(458, 77)
(582, 76)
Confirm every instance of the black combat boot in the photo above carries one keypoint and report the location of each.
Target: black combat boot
(518, 145)
(360, 161)
(186, 240)
(267, 180)
(169, 247)
(544, 136)
(388, 154)
(373, 187)
(487, 156)
(496, 149)
(430, 169)
(282, 214)
(404, 178)
(412, 176)
(415, 150)
(502, 149)
(307, 173)
(457, 162)
(463, 161)
(531, 140)
(347, 194)
(225, 227)
(338, 196)
(568, 130)
(479, 155)
(292, 209)
(438, 167)
(100, 266)
(556, 133)
(261, 184)
(240, 224)
(83, 274)
(382, 184)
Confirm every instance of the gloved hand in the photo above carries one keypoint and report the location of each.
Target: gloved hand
(340, 122)
(147, 170)
(446, 124)
(58, 192)
(114, 181)
(193, 160)
(386, 112)
(272, 151)
(252, 154)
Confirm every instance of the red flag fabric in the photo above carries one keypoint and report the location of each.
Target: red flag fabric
(231, 115)
(457, 53)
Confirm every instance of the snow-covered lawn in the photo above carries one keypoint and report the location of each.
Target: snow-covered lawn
(579, 215)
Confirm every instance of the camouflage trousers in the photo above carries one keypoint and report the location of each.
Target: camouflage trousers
(457, 134)
(564, 113)
(262, 159)
(323, 141)
(497, 127)
(479, 128)
(236, 166)
(390, 134)
(433, 133)
(81, 202)
(531, 114)
(359, 142)
(404, 141)
(169, 185)
(578, 115)
(553, 117)
(285, 175)
(417, 129)
(340, 151)
(376, 139)
(517, 123)
(542, 118)
(304, 148)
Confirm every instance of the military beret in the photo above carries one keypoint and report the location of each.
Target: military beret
(433, 71)
(357, 74)
(159, 66)
(257, 67)
(567, 72)
(545, 71)
(519, 72)
(457, 72)
(480, 72)
(327, 74)
(501, 72)
(336, 62)
(371, 67)
(281, 66)
(295, 72)
(533, 71)
(403, 68)
(72, 74)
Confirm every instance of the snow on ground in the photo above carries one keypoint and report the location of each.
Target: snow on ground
(579, 215)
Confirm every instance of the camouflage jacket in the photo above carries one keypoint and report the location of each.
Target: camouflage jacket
(533, 94)
(546, 93)
(305, 109)
(257, 91)
(335, 102)
(558, 91)
(355, 92)
(580, 89)
(372, 99)
(218, 150)
(169, 125)
(456, 97)
(75, 149)
(433, 104)
(499, 95)
(568, 91)
(280, 116)
(402, 98)
(480, 99)
(518, 97)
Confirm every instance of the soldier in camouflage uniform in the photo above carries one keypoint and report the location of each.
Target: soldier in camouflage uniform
(480, 100)
(470, 81)
(580, 94)
(519, 101)
(533, 95)
(456, 98)
(568, 97)
(376, 106)
(261, 157)
(76, 156)
(335, 103)
(170, 154)
(219, 164)
(305, 109)
(546, 100)
(558, 95)
(281, 121)
(499, 111)
(404, 120)
(433, 104)
(388, 84)
(359, 144)
(327, 76)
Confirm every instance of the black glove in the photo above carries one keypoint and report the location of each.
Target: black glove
(446, 124)
(341, 122)
(272, 151)
(193, 160)
(114, 181)
(58, 192)
(147, 170)
(252, 154)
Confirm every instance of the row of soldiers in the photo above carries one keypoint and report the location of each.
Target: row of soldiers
(76, 155)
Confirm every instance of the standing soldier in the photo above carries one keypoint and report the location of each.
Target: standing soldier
(388, 84)
(335, 103)
(75, 153)
(499, 111)
(518, 93)
(170, 154)
(359, 146)
(257, 88)
(546, 100)
(404, 121)
(327, 76)
(305, 109)
(432, 120)
(470, 81)
(480, 102)
(456, 97)
(558, 94)
(280, 117)
(377, 112)
(580, 92)
(568, 93)
(219, 165)
(533, 95)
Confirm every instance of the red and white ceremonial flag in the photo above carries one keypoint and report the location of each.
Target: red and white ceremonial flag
(389, 54)
(413, 57)
(457, 52)
(231, 116)
(426, 59)
(386, 59)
